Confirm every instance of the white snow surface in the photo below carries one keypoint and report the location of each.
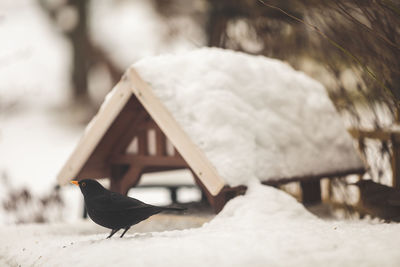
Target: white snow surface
(254, 117)
(266, 227)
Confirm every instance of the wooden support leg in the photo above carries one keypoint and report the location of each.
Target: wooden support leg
(123, 178)
(203, 196)
(117, 173)
(210, 198)
(130, 179)
(218, 202)
(85, 215)
(396, 162)
(226, 194)
(173, 191)
(311, 191)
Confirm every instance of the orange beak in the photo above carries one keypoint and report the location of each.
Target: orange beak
(75, 183)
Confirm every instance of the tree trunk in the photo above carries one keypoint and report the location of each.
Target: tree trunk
(80, 43)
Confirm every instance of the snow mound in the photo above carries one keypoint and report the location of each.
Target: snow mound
(265, 227)
(254, 117)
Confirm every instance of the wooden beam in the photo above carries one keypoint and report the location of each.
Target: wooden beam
(380, 134)
(151, 169)
(129, 115)
(131, 178)
(150, 124)
(94, 172)
(227, 194)
(284, 180)
(395, 162)
(311, 192)
(113, 135)
(117, 173)
(130, 132)
(156, 161)
(217, 202)
(182, 142)
(161, 143)
(143, 142)
(95, 131)
(392, 135)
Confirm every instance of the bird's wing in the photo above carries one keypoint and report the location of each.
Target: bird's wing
(117, 202)
(394, 202)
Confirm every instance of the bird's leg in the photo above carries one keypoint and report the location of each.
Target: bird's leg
(126, 229)
(113, 231)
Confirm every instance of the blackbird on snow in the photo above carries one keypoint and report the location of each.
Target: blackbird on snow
(113, 210)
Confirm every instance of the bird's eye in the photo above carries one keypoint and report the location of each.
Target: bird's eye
(83, 184)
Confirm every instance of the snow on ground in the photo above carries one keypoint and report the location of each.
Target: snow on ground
(266, 227)
(267, 120)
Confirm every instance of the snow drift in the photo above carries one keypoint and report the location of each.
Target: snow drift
(266, 227)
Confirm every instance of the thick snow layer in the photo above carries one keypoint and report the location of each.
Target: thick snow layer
(266, 227)
(252, 116)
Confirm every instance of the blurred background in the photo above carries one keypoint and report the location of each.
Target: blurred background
(59, 58)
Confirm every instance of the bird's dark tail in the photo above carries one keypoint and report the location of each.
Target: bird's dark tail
(174, 208)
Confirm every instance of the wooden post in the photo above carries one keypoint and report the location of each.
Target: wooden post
(311, 191)
(123, 177)
(131, 178)
(396, 160)
(173, 193)
(227, 193)
(161, 143)
(117, 173)
(143, 143)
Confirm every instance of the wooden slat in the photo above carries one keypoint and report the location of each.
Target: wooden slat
(189, 151)
(150, 124)
(94, 173)
(392, 135)
(218, 201)
(95, 131)
(311, 191)
(130, 132)
(157, 161)
(380, 134)
(117, 174)
(130, 179)
(152, 169)
(142, 142)
(121, 124)
(161, 143)
(395, 164)
(285, 180)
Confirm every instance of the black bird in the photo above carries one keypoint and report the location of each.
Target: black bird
(379, 200)
(113, 210)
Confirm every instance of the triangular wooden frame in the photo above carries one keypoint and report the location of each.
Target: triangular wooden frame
(129, 112)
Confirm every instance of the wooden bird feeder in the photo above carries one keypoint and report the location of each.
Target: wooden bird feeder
(116, 145)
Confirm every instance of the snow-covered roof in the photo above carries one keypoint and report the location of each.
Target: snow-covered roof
(242, 116)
